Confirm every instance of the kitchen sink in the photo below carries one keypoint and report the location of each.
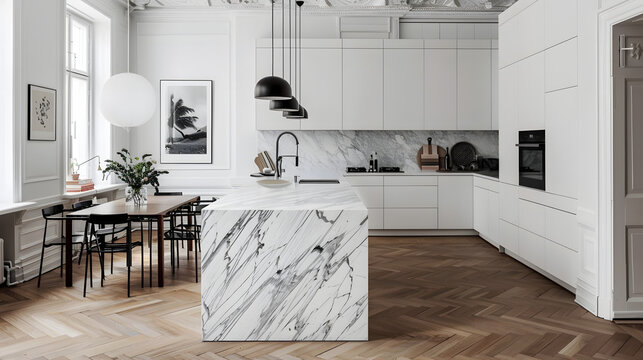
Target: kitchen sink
(319, 181)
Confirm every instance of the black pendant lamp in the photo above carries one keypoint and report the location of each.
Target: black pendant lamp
(301, 113)
(287, 104)
(273, 87)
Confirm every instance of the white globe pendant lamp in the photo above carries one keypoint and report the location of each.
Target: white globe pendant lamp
(128, 99)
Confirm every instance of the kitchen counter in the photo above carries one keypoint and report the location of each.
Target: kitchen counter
(490, 174)
(288, 264)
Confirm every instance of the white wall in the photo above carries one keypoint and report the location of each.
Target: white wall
(210, 45)
(6, 100)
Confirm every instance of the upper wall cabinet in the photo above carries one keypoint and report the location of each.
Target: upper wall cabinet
(363, 85)
(474, 85)
(441, 85)
(403, 84)
(561, 21)
(321, 85)
(531, 29)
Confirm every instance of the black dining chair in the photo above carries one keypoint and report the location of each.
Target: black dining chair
(99, 227)
(77, 206)
(55, 213)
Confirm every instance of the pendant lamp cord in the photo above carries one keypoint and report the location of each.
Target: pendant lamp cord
(128, 13)
(297, 87)
(272, 36)
(283, 36)
(290, 40)
(299, 4)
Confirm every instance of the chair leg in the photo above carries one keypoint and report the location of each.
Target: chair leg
(82, 248)
(89, 254)
(128, 278)
(172, 255)
(149, 243)
(177, 255)
(142, 259)
(42, 255)
(196, 263)
(62, 249)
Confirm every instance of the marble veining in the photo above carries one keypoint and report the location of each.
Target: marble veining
(276, 267)
(326, 154)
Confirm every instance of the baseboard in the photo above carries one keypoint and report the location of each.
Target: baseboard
(422, 233)
(631, 314)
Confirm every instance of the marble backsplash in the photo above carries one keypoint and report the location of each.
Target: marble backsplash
(326, 154)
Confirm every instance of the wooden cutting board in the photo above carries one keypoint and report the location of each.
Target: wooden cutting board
(441, 152)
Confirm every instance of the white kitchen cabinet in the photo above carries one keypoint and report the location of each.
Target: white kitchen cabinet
(508, 123)
(508, 237)
(561, 66)
(493, 218)
(265, 118)
(561, 21)
(561, 262)
(401, 219)
(561, 227)
(494, 90)
(411, 196)
(363, 87)
(480, 215)
(371, 196)
(403, 85)
(531, 217)
(531, 93)
(508, 196)
(411, 180)
(455, 202)
(474, 89)
(321, 92)
(561, 134)
(508, 41)
(531, 29)
(531, 247)
(376, 219)
(440, 89)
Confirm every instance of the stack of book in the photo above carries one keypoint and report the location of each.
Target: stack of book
(79, 185)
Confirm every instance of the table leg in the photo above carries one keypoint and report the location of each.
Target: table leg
(189, 227)
(68, 250)
(160, 250)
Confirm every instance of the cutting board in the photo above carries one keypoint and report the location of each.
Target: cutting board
(441, 153)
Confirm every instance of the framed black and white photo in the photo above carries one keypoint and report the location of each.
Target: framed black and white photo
(186, 121)
(41, 113)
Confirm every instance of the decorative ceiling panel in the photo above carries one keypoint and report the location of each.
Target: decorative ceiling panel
(451, 5)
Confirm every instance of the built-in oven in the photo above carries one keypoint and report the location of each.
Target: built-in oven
(531, 159)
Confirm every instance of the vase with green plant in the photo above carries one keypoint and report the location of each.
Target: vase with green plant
(136, 173)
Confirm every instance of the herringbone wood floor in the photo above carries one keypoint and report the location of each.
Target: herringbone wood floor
(429, 298)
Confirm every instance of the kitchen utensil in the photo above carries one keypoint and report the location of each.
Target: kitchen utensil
(259, 164)
(462, 155)
(273, 183)
(353, 169)
(268, 158)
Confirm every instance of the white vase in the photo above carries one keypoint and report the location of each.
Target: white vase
(134, 196)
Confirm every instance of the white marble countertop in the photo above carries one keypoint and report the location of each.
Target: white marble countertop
(292, 197)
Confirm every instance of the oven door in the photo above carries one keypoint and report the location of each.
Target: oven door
(531, 171)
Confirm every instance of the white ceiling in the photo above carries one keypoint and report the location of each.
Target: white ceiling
(451, 5)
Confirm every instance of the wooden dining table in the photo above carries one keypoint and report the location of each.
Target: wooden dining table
(156, 209)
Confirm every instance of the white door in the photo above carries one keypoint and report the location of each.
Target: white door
(363, 89)
(628, 174)
(403, 89)
(267, 119)
(321, 86)
(440, 89)
(474, 89)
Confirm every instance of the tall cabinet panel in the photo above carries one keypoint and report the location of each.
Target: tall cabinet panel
(265, 118)
(440, 88)
(403, 85)
(363, 85)
(531, 93)
(508, 123)
(321, 80)
(494, 89)
(474, 89)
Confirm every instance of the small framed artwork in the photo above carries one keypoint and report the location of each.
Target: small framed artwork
(41, 113)
(186, 121)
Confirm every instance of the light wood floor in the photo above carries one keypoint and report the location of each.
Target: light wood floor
(429, 298)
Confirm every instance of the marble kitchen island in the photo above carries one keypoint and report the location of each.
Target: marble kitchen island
(287, 264)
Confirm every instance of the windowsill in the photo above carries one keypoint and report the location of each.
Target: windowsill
(8, 208)
(98, 190)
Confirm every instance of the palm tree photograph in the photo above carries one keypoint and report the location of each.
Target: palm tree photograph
(186, 121)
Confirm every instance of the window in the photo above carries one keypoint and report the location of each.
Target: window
(78, 91)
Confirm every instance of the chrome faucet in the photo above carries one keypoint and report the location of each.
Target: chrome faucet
(280, 158)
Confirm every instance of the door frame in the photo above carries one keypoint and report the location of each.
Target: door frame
(607, 18)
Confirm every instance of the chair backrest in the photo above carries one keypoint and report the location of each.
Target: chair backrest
(82, 205)
(168, 193)
(52, 210)
(108, 219)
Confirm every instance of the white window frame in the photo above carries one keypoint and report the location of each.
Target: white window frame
(69, 73)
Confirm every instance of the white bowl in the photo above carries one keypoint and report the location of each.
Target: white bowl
(272, 183)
